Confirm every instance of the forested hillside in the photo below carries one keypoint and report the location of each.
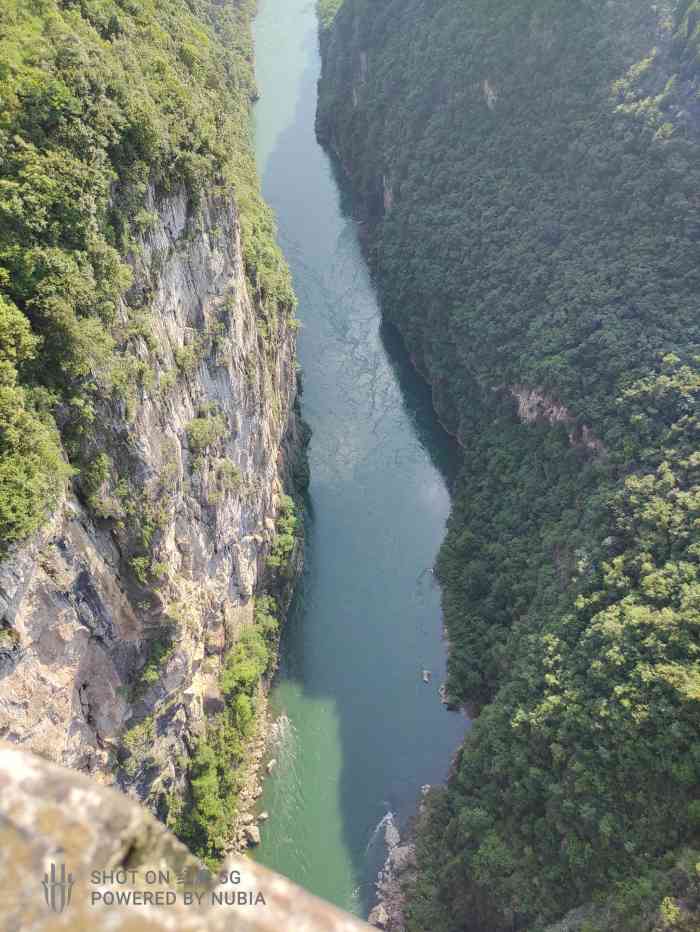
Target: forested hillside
(530, 179)
(100, 99)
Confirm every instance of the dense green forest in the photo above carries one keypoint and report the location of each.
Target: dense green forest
(529, 175)
(100, 99)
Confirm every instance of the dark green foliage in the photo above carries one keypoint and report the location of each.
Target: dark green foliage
(245, 664)
(516, 537)
(160, 649)
(32, 468)
(529, 172)
(266, 617)
(583, 768)
(551, 238)
(287, 528)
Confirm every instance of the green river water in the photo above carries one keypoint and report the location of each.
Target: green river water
(359, 731)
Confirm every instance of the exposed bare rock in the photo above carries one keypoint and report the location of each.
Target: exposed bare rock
(49, 815)
(252, 834)
(392, 836)
(535, 405)
(574, 921)
(62, 596)
(399, 869)
(379, 917)
(171, 544)
(402, 859)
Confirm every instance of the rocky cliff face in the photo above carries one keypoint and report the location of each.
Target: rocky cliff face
(120, 610)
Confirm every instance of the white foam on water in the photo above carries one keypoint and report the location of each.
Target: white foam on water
(387, 826)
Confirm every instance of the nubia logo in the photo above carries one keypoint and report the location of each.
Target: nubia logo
(58, 886)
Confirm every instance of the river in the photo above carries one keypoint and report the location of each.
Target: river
(360, 731)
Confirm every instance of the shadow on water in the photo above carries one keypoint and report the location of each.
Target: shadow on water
(443, 449)
(363, 731)
(416, 392)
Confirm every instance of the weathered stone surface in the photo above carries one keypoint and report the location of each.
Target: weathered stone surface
(379, 917)
(52, 815)
(399, 867)
(82, 619)
(391, 834)
(402, 858)
(252, 833)
(535, 405)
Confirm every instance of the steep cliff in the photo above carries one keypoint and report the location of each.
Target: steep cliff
(147, 329)
(528, 174)
(169, 548)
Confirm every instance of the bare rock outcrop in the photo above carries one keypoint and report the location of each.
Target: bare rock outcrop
(116, 616)
(399, 869)
(536, 405)
(101, 844)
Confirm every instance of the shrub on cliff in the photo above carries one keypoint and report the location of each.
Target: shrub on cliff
(216, 773)
(32, 468)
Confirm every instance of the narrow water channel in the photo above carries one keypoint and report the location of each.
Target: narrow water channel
(360, 732)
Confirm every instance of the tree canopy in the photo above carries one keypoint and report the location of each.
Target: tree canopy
(529, 175)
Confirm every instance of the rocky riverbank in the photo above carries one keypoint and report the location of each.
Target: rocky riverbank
(398, 873)
(246, 830)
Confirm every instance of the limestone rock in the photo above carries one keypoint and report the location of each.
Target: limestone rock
(402, 858)
(391, 834)
(379, 917)
(252, 834)
(399, 867)
(52, 815)
(82, 625)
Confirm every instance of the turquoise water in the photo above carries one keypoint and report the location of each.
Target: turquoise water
(359, 730)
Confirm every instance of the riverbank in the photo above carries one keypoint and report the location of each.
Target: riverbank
(245, 832)
(245, 829)
(397, 874)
